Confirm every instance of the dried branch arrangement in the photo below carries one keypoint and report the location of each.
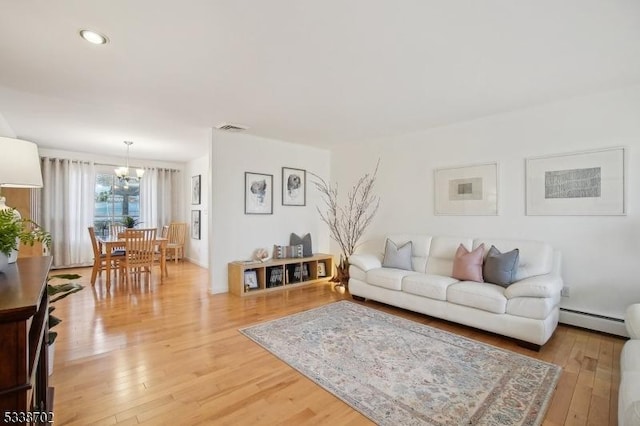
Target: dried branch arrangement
(348, 223)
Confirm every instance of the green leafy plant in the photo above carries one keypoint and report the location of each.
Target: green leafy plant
(130, 222)
(57, 292)
(14, 229)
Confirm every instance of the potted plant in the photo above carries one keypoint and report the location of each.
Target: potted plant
(130, 222)
(14, 229)
(348, 222)
(57, 292)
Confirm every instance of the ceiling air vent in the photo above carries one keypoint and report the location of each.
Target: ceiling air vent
(231, 127)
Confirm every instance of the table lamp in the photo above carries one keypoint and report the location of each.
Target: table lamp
(19, 168)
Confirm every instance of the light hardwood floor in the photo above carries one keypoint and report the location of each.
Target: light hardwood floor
(171, 354)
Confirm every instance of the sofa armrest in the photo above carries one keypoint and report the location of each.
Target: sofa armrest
(365, 261)
(547, 285)
(632, 320)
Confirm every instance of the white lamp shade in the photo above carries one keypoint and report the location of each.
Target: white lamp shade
(19, 164)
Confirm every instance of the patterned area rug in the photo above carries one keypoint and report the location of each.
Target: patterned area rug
(399, 372)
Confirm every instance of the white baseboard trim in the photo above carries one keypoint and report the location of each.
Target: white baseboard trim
(593, 322)
(197, 262)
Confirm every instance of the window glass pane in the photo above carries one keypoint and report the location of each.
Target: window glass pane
(114, 201)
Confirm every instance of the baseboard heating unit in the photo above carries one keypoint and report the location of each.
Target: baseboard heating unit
(593, 322)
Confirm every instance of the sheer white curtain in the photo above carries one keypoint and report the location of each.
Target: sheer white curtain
(68, 199)
(160, 197)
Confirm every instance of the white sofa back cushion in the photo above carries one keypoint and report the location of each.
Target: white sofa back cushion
(536, 258)
(442, 252)
(420, 245)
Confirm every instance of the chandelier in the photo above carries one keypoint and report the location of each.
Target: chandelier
(123, 172)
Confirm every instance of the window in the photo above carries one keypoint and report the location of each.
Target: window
(113, 202)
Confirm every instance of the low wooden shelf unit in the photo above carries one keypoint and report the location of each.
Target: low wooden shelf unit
(251, 278)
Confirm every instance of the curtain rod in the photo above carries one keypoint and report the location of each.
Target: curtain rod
(109, 165)
(138, 167)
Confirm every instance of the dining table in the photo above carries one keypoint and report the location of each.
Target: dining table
(114, 242)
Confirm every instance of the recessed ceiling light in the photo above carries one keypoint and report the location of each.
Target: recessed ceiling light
(93, 37)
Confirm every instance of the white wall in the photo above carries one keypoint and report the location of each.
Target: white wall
(235, 235)
(197, 251)
(6, 130)
(600, 253)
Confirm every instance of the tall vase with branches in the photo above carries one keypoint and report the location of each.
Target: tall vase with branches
(347, 222)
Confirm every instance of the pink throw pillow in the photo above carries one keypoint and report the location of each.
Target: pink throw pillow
(467, 266)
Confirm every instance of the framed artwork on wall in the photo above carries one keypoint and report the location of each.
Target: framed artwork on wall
(258, 193)
(294, 187)
(195, 224)
(467, 190)
(195, 189)
(576, 184)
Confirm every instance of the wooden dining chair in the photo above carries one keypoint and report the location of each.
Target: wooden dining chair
(176, 236)
(164, 232)
(99, 260)
(116, 229)
(139, 253)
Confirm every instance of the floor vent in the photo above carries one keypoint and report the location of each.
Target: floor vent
(228, 127)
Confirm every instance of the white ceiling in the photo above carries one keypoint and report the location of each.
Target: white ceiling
(313, 72)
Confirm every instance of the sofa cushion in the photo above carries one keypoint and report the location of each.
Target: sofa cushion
(441, 254)
(467, 266)
(388, 277)
(427, 285)
(488, 297)
(500, 268)
(398, 257)
(536, 258)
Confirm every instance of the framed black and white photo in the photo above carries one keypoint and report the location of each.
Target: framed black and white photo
(467, 190)
(294, 187)
(258, 193)
(195, 189)
(195, 224)
(576, 184)
(250, 278)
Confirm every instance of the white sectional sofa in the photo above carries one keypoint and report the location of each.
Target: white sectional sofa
(629, 394)
(526, 310)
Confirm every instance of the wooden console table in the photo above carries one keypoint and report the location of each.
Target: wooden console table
(252, 278)
(24, 326)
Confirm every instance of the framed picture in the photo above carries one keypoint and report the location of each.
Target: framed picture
(294, 187)
(579, 183)
(195, 224)
(467, 190)
(322, 269)
(250, 278)
(258, 193)
(195, 189)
